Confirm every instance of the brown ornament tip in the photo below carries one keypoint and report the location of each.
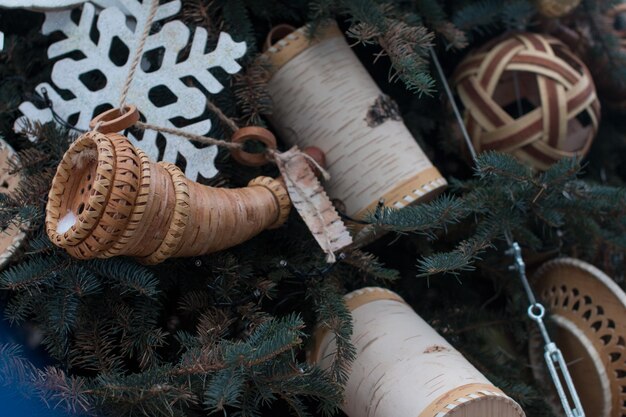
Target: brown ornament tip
(115, 120)
(254, 133)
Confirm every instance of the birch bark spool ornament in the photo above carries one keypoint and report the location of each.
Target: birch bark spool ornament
(323, 97)
(11, 237)
(587, 309)
(530, 96)
(108, 198)
(556, 8)
(404, 368)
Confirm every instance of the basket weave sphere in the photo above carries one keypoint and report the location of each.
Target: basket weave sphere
(556, 8)
(530, 96)
(108, 198)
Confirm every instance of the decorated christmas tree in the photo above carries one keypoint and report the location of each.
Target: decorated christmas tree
(313, 208)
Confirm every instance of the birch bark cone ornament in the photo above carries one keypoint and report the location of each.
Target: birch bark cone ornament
(108, 198)
(404, 368)
(323, 97)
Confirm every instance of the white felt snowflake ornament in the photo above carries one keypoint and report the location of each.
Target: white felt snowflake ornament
(114, 28)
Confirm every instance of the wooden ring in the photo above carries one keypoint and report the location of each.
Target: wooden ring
(252, 133)
(277, 33)
(113, 120)
(279, 190)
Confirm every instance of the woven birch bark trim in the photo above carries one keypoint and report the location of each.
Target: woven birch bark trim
(98, 195)
(294, 43)
(13, 236)
(564, 90)
(176, 230)
(362, 296)
(466, 395)
(119, 206)
(424, 186)
(280, 194)
(139, 207)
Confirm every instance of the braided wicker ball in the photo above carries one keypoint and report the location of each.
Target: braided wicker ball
(556, 8)
(530, 96)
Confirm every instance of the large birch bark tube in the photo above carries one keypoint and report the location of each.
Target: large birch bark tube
(324, 97)
(107, 199)
(404, 368)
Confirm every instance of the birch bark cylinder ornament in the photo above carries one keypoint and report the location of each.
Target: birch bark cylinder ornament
(108, 198)
(323, 97)
(587, 309)
(11, 237)
(530, 96)
(404, 368)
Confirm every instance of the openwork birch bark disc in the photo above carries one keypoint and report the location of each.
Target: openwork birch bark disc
(588, 310)
(404, 368)
(530, 96)
(12, 237)
(324, 97)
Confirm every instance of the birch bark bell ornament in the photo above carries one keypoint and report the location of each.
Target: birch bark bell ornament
(530, 96)
(108, 198)
(587, 309)
(323, 97)
(404, 368)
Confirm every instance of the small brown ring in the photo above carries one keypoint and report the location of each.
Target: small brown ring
(252, 133)
(113, 120)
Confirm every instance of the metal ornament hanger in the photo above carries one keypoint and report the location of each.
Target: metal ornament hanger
(536, 311)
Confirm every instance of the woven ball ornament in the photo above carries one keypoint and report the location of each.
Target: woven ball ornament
(556, 8)
(530, 96)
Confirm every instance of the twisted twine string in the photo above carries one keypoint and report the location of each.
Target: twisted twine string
(272, 154)
(154, 6)
(138, 53)
(191, 136)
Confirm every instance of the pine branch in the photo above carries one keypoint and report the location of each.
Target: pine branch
(406, 45)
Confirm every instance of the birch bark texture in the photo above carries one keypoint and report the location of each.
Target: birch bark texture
(324, 97)
(123, 203)
(404, 368)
